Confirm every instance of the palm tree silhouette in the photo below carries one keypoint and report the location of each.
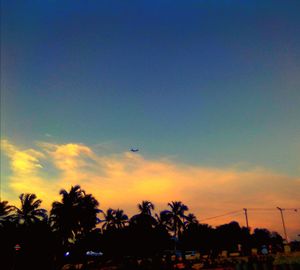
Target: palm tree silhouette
(144, 218)
(29, 213)
(190, 220)
(163, 220)
(176, 216)
(145, 207)
(64, 216)
(5, 212)
(114, 219)
(88, 213)
(109, 219)
(75, 215)
(120, 218)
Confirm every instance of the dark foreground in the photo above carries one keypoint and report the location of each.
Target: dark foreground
(268, 262)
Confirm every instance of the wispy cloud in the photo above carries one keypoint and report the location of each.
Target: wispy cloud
(124, 179)
(23, 162)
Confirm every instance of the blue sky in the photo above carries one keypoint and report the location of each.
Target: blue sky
(201, 80)
(213, 82)
(208, 90)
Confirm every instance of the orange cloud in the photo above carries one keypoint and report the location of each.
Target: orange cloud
(123, 180)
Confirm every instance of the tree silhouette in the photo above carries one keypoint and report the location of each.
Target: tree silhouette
(5, 212)
(147, 236)
(88, 210)
(29, 212)
(262, 236)
(27, 226)
(114, 219)
(120, 218)
(229, 236)
(8, 234)
(109, 219)
(144, 219)
(176, 216)
(163, 220)
(190, 220)
(198, 237)
(75, 215)
(64, 216)
(71, 228)
(145, 207)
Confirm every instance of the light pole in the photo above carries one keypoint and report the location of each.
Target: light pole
(246, 216)
(283, 224)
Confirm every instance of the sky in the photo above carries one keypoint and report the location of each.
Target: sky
(208, 90)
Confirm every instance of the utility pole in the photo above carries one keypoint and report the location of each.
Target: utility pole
(246, 216)
(283, 224)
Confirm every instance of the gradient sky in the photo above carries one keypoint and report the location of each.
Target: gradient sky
(209, 90)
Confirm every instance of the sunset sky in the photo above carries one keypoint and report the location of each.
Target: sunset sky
(208, 90)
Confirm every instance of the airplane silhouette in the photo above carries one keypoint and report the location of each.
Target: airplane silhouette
(134, 150)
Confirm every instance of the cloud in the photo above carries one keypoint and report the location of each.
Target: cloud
(25, 168)
(22, 162)
(66, 157)
(123, 180)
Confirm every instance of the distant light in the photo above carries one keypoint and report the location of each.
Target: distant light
(17, 247)
(67, 254)
(93, 253)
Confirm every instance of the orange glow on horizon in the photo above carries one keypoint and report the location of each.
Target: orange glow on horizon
(124, 180)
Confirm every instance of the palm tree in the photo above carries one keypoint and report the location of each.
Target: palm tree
(144, 218)
(29, 213)
(5, 212)
(75, 215)
(163, 220)
(64, 215)
(109, 219)
(145, 207)
(190, 220)
(114, 219)
(120, 218)
(88, 213)
(176, 216)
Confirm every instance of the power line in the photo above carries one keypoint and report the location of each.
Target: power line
(237, 214)
(262, 209)
(251, 209)
(226, 214)
(273, 209)
(292, 209)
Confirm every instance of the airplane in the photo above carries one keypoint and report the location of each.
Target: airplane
(134, 150)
